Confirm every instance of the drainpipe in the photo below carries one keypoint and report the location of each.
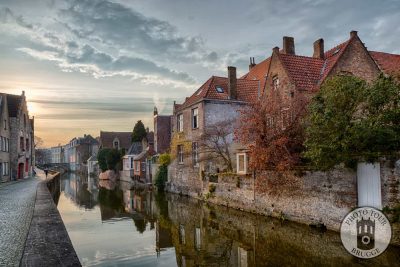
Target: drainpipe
(254, 186)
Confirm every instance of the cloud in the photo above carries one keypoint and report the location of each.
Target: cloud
(117, 26)
(74, 54)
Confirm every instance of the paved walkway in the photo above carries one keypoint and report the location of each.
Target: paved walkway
(17, 201)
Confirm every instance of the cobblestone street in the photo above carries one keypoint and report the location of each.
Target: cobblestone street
(17, 201)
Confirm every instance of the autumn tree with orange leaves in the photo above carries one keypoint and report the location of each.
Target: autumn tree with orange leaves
(271, 129)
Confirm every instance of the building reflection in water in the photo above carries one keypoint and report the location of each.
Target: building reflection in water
(206, 235)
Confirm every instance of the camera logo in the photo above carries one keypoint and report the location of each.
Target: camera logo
(365, 232)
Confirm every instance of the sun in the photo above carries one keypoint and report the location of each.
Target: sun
(32, 108)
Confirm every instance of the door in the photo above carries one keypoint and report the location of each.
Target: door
(369, 185)
(20, 171)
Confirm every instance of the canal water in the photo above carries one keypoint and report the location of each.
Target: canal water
(112, 224)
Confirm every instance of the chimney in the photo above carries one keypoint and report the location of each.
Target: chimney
(232, 88)
(319, 49)
(155, 112)
(252, 63)
(275, 49)
(288, 45)
(353, 34)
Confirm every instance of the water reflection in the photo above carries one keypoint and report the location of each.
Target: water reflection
(171, 230)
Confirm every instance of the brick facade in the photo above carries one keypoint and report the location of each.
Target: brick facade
(162, 132)
(21, 138)
(4, 140)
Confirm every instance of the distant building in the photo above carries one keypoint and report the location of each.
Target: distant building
(162, 132)
(93, 165)
(57, 154)
(79, 150)
(117, 140)
(127, 160)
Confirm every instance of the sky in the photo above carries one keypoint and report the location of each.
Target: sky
(92, 65)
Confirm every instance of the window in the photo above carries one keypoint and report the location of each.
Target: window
(143, 166)
(195, 153)
(21, 144)
(116, 144)
(180, 123)
(5, 168)
(182, 238)
(195, 118)
(275, 82)
(5, 124)
(241, 163)
(1, 144)
(197, 238)
(180, 153)
(219, 89)
(285, 118)
(27, 144)
(137, 166)
(131, 163)
(7, 145)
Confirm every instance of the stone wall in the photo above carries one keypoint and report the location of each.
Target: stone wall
(318, 198)
(312, 198)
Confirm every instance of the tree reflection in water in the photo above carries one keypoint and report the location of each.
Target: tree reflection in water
(208, 235)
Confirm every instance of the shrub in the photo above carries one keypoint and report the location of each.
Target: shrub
(212, 188)
(164, 159)
(161, 177)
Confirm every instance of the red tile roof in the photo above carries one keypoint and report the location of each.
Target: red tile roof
(259, 72)
(308, 73)
(388, 63)
(303, 71)
(247, 90)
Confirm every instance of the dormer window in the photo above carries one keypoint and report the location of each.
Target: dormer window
(275, 82)
(116, 144)
(219, 89)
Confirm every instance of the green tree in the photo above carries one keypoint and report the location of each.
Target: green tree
(109, 159)
(113, 160)
(139, 132)
(352, 121)
(102, 158)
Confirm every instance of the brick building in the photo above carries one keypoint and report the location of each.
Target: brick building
(284, 73)
(4, 140)
(216, 102)
(293, 75)
(21, 137)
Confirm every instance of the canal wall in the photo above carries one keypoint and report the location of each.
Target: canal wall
(48, 243)
(315, 198)
(213, 235)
